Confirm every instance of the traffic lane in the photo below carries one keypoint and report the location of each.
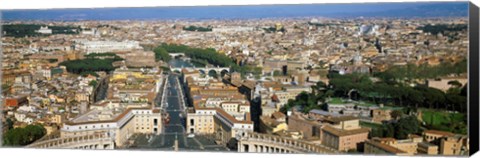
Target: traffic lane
(172, 91)
(174, 129)
(170, 140)
(173, 103)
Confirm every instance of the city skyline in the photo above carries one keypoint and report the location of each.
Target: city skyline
(373, 10)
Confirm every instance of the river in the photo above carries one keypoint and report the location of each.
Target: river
(179, 63)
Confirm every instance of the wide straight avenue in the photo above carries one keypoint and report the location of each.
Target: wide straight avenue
(172, 103)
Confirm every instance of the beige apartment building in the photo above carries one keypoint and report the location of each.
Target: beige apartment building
(376, 148)
(218, 109)
(413, 145)
(344, 133)
(310, 128)
(410, 145)
(425, 148)
(456, 145)
(119, 125)
(379, 115)
(431, 135)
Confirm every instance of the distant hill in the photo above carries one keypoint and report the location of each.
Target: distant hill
(404, 10)
(422, 11)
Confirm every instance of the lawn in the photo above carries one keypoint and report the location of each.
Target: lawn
(336, 101)
(368, 104)
(370, 125)
(442, 120)
(391, 108)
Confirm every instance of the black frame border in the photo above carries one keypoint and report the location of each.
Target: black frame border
(473, 88)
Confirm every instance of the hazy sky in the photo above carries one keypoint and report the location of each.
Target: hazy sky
(422, 9)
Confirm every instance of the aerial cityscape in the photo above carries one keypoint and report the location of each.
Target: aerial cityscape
(376, 79)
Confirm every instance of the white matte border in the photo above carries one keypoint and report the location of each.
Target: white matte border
(49, 4)
(64, 153)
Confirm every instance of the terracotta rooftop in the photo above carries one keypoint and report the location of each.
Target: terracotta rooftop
(438, 132)
(388, 139)
(385, 147)
(340, 133)
(341, 118)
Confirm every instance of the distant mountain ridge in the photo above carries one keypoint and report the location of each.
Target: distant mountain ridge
(430, 10)
(403, 10)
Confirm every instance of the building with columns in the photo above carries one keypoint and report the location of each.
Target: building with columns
(218, 109)
(118, 120)
(107, 46)
(267, 143)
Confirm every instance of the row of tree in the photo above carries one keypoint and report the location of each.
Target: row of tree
(388, 88)
(399, 129)
(411, 72)
(443, 28)
(22, 30)
(361, 87)
(210, 55)
(273, 29)
(88, 66)
(161, 54)
(23, 136)
(197, 28)
(321, 24)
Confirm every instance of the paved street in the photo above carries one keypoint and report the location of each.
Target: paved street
(176, 128)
